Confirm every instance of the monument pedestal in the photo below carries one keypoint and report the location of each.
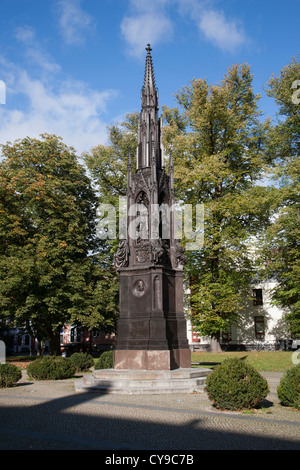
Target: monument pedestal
(151, 328)
(138, 382)
(152, 359)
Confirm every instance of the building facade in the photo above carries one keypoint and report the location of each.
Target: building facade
(261, 326)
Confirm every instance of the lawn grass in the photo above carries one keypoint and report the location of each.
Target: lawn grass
(20, 358)
(267, 361)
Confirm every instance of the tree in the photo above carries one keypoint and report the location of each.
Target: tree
(218, 145)
(282, 239)
(107, 165)
(48, 267)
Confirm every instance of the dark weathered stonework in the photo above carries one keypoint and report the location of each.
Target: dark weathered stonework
(151, 330)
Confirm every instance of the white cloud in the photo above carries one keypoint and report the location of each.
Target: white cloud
(26, 36)
(74, 22)
(222, 32)
(143, 29)
(42, 100)
(147, 6)
(148, 23)
(153, 21)
(69, 109)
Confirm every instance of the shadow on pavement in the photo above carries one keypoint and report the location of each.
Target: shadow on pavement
(64, 423)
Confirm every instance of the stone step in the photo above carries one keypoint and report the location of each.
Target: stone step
(122, 389)
(80, 387)
(151, 374)
(144, 382)
(141, 384)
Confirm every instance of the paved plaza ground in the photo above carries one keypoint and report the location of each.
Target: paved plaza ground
(52, 415)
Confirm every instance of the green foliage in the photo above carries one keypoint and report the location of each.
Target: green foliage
(281, 241)
(51, 368)
(215, 303)
(105, 299)
(289, 388)
(82, 361)
(235, 385)
(218, 144)
(48, 269)
(281, 247)
(108, 163)
(9, 375)
(105, 361)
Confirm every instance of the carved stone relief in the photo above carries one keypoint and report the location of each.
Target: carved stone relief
(157, 293)
(178, 259)
(139, 288)
(122, 255)
(143, 254)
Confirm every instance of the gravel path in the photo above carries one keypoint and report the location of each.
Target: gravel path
(51, 415)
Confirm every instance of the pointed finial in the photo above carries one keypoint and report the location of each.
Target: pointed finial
(149, 79)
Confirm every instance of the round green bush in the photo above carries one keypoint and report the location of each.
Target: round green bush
(51, 368)
(82, 361)
(235, 385)
(105, 361)
(288, 390)
(9, 375)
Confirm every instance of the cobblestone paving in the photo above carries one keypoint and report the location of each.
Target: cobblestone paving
(51, 415)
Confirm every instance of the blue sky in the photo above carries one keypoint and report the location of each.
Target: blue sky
(72, 67)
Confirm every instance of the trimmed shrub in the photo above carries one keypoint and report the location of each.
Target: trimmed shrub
(82, 361)
(105, 361)
(9, 375)
(235, 385)
(288, 390)
(51, 368)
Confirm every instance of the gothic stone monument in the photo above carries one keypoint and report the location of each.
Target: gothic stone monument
(151, 329)
(152, 355)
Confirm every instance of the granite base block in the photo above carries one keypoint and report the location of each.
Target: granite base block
(112, 381)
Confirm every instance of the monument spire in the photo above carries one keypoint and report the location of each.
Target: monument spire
(149, 132)
(151, 329)
(149, 79)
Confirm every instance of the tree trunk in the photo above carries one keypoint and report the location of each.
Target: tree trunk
(55, 344)
(39, 348)
(215, 346)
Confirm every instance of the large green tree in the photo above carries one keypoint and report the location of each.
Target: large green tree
(282, 239)
(48, 269)
(107, 163)
(218, 143)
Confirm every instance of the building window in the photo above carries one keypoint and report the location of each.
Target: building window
(259, 324)
(257, 296)
(72, 335)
